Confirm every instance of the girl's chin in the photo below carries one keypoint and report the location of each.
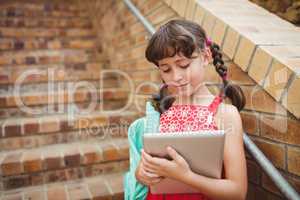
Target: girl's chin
(185, 93)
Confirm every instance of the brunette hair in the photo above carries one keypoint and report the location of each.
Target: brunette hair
(185, 37)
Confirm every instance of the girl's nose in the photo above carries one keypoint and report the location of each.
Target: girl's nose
(178, 76)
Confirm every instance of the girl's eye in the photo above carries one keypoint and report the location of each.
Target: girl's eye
(166, 70)
(185, 66)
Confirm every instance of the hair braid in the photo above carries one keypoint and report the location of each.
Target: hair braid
(234, 92)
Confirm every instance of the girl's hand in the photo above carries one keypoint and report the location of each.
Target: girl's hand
(177, 168)
(146, 177)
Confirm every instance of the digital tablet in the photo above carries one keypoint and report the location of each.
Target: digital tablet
(203, 150)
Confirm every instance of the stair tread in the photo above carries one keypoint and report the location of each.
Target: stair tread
(41, 6)
(39, 52)
(62, 84)
(69, 155)
(54, 117)
(15, 32)
(44, 93)
(10, 44)
(35, 10)
(106, 185)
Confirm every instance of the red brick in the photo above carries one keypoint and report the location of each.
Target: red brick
(37, 194)
(294, 181)
(280, 128)
(101, 168)
(31, 128)
(72, 156)
(258, 100)
(53, 159)
(12, 164)
(78, 191)
(49, 126)
(293, 154)
(250, 122)
(3, 102)
(123, 148)
(269, 185)
(91, 154)
(116, 184)
(66, 125)
(98, 189)
(254, 172)
(73, 173)
(32, 161)
(56, 192)
(55, 176)
(12, 130)
(13, 196)
(110, 152)
(15, 182)
(237, 75)
(273, 151)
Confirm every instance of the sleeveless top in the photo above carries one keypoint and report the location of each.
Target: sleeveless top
(187, 118)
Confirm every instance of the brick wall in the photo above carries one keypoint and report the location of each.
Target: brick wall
(266, 118)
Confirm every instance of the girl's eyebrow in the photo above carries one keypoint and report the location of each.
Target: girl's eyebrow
(179, 60)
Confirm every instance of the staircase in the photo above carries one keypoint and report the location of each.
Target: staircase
(50, 68)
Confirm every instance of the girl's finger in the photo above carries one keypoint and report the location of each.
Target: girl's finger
(148, 165)
(152, 160)
(149, 174)
(157, 180)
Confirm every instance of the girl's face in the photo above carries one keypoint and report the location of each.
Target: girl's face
(184, 76)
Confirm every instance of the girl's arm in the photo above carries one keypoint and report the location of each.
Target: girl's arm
(235, 185)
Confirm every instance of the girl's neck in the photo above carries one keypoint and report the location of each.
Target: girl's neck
(201, 97)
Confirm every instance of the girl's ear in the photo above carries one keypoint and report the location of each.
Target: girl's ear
(207, 56)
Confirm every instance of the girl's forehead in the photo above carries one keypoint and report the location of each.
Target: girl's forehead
(168, 60)
(174, 59)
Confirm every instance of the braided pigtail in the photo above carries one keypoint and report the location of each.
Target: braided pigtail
(163, 100)
(232, 91)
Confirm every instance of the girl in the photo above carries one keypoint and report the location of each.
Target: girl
(181, 51)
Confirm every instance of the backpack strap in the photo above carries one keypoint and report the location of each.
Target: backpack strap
(152, 119)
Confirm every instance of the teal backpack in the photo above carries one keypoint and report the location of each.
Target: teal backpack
(134, 190)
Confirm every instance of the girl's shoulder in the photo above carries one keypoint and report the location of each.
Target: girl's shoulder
(228, 113)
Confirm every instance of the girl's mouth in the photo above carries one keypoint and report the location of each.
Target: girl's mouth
(177, 86)
(182, 85)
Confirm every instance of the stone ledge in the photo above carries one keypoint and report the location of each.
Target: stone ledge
(259, 42)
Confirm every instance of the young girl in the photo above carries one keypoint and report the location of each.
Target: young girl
(181, 51)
